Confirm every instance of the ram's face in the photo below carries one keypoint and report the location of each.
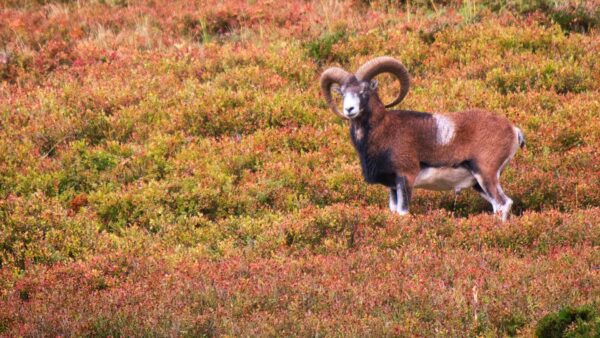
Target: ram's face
(356, 97)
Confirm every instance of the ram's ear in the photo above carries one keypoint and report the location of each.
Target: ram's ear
(338, 90)
(373, 84)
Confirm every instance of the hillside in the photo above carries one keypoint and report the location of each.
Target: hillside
(170, 168)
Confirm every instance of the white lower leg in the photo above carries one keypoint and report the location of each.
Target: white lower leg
(402, 205)
(399, 206)
(499, 208)
(393, 200)
(402, 212)
(486, 197)
(505, 208)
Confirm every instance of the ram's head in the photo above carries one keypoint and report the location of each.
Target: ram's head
(358, 87)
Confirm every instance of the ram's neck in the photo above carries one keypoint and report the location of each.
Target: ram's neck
(376, 110)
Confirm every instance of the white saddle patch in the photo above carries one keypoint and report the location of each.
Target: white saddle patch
(444, 129)
(444, 178)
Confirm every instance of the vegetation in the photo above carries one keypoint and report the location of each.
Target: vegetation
(171, 168)
(570, 322)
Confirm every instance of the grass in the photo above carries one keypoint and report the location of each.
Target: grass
(172, 169)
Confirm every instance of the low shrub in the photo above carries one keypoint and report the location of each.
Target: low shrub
(570, 322)
(320, 48)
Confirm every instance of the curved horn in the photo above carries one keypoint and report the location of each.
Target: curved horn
(328, 78)
(386, 64)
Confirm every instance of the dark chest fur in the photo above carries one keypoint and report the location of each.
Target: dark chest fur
(376, 165)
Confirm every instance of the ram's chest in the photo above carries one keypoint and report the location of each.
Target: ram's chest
(376, 165)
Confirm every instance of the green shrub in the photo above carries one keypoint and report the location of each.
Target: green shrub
(320, 48)
(570, 322)
(31, 234)
(512, 323)
(562, 77)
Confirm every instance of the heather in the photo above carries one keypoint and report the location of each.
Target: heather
(171, 169)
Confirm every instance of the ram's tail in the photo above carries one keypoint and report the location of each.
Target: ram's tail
(520, 137)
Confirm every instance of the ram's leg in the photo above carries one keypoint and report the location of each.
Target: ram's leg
(393, 199)
(489, 188)
(481, 192)
(507, 203)
(404, 186)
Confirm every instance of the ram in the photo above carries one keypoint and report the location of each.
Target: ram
(404, 149)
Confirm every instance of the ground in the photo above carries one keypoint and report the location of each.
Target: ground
(170, 168)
